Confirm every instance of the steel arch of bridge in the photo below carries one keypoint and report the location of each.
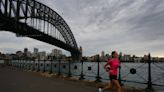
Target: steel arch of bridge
(15, 15)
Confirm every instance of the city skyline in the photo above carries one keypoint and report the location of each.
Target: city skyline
(54, 50)
(57, 54)
(133, 27)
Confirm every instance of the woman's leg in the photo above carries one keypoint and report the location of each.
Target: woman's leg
(108, 86)
(117, 85)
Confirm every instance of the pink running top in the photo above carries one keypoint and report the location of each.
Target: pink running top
(114, 64)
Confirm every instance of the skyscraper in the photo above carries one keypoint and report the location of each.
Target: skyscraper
(36, 50)
(56, 53)
(25, 50)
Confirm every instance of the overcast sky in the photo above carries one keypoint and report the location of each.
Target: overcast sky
(129, 26)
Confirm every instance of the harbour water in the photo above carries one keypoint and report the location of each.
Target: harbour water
(90, 71)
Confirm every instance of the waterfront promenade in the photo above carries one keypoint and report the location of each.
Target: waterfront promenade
(22, 81)
(13, 79)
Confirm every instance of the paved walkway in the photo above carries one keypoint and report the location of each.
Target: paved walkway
(21, 81)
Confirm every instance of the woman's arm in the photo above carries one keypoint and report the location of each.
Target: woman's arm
(108, 63)
(105, 66)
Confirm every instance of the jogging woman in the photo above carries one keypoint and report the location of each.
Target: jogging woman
(114, 64)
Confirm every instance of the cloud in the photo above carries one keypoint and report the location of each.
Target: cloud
(9, 43)
(129, 26)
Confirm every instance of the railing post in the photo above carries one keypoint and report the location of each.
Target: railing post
(25, 67)
(59, 71)
(98, 78)
(43, 66)
(38, 68)
(33, 63)
(69, 69)
(82, 75)
(24, 64)
(149, 84)
(119, 76)
(28, 65)
(20, 67)
(19, 64)
(50, 67)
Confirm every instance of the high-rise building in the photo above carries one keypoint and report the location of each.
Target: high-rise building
(102, 56)
(27, 54)
(25, 50)
(126, 57)
(36, 50)
(42, 55)
(35, 54)
(120, 56)
(56, 53)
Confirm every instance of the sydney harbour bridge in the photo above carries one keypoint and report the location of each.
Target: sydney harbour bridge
(30, 18)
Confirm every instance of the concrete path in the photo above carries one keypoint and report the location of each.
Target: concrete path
(21, 81)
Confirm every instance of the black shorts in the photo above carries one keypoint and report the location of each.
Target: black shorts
(113, 77)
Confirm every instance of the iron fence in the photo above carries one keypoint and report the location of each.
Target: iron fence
(140, 73)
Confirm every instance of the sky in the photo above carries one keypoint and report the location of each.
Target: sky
(128, 26)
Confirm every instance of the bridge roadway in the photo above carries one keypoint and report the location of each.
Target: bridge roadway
(22, 81)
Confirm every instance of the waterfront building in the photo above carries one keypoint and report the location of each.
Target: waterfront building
(137, 59)
(36, 50)
(42, 55)
(35, 54)
(126, 57)
(102, 57)
(19, 54)
(2, 56)
(56, 53)
(25, 50)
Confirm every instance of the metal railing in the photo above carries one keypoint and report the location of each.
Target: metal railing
(95, 71)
